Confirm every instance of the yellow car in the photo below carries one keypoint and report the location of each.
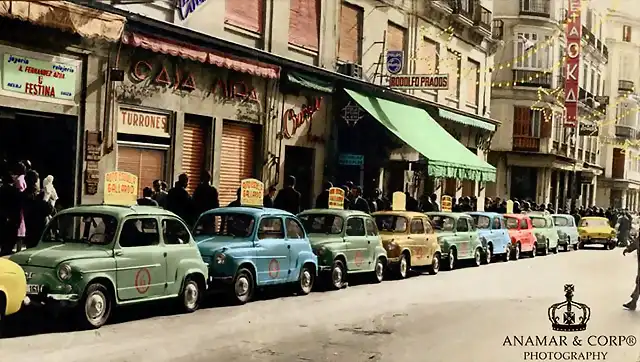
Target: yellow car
(13, 288)
(596, 231)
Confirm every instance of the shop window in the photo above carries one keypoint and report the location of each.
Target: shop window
(350, 39)
(473, 80)
(427, 61)
(626, 33)
(245, 14)
(396, 38)
(304, 23)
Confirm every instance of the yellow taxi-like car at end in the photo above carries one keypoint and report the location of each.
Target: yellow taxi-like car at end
(13, 288)
(596, 231)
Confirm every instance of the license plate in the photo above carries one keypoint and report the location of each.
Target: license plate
(34, 289)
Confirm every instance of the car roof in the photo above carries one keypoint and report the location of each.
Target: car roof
(253, 211)
(563, 215)
(399, 213)
(451, 214)
(485, 213)
(339, 212)
(517, 216)
(117, 211)
(595, 218)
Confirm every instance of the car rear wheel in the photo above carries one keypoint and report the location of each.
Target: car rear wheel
(243, 286)
(306, 280)
(95, 307)
(434, 268)
(403, 266)
(489, 254)
(378, 271)
(477, 257)
(452, 259)
(338, 274)
(546, 249)
(190, 296)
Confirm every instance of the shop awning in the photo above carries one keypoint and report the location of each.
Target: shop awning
(201, 55)
(466, 120)
(447, 157)
(310, 82)
(66, 16)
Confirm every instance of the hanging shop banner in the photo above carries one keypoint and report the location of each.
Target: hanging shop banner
(446, 203)
(336, 198)
(120, 188)
(399, 202)
(588, 128)
(419, 81)
(136, 122)
(251, 192)
(38, 77)
(573, 33)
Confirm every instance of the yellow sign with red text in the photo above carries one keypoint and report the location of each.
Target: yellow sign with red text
(120, 188)
(446, 203)
(336, 198)
(251, 192)
(399, 201)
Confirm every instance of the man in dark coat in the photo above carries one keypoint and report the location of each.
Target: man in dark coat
(159, 194)
(636, 291)
(147, 198)
(178, 200)
(205, 196)
(357, 201)
(267, 201)
(288, 198)
(624, 228)
(322, 201)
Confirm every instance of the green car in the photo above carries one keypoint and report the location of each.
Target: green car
(545, 231)
(96, 257)
(458, 238)
(345, 241)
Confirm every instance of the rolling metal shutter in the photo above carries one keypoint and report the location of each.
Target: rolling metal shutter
(236, 159)
(147, 164)
(193, 153)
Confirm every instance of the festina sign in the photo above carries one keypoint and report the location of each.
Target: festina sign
(571, 85)
(419, 81)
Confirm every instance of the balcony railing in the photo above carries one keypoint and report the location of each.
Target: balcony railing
(625, 85)
(586, 97)
(541, 8)
(626, 132)
(588, 36)
(497, 29)
(605, 50)
(462, 7)
(532, 78)
(482, 16)
(526, 143)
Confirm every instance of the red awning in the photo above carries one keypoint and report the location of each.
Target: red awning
(190, 52)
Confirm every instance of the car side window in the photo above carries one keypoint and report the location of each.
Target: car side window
(461, 225)
(417, 226)
(355, 226)
(496, 224)
(372, 229)
(139, 232)
(570, 222)
(428, 228)
(271, 228)
(174, 232)
(523, 224)
(471, 224)
(294, 229)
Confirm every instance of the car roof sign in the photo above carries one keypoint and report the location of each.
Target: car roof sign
(120, 188)
(399, 202)
(336, 198)
(251, 192)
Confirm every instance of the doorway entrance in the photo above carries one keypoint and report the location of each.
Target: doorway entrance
(299, 162)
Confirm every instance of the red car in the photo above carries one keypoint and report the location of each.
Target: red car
(523, 240)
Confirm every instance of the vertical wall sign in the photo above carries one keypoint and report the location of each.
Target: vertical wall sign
(572, 84)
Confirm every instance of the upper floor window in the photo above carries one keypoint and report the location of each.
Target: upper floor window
(350, 40)
(245, 14)
(396, 38)
(304, 23)
(527, 57)
(473, 81)
(626, 33)
(427, 61)
(527, 122)
(451, 65)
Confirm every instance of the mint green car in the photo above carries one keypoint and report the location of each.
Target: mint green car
(545, 231)
(458, 238)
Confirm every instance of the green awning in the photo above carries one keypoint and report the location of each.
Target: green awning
(447, 157)
(466, 120)
(307, 81)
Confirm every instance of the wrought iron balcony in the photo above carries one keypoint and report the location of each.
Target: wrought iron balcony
(588, 36)
(626, 132)
(443, 6)
(497, 29)
(625, 85)
(586, 98)
(605, 50)
(532, 78)
(526, 143)
(463, 8)
(482, 18)
(540, 8)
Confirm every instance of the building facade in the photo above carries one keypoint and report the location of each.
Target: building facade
(619, 186)
(537, 157)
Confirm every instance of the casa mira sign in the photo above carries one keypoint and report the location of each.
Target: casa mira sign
(37, 77)
(419, 81)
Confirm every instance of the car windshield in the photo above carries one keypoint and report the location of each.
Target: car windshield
(539, 222)
(511, 223)
(87, 228)
(560, 221)
(322, 223)
(392, 223)
(443, 223)
(594, 222)
(228, 224)
(482, 222)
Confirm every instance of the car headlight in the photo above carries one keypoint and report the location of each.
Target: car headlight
(64, 272)
(220, 258)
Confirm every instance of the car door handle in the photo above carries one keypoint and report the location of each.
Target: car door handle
(118, 253)
(368, 241)
(257, 245)
(165, 254)
(288, 246)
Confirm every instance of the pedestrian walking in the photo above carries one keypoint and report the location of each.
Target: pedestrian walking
(147, 198)
(322, 201)
(35, 209)
(267, 201)
(179, 201)
(160, 193)
(288, 198)
(631, 305)
(21, 185)
(205, 197)
(10, 214)
(624, 228)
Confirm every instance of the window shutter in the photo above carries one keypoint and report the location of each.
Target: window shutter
(618, 162)
(304, 23)
(395, 37)
(547, 126)
(472, 80)
(350, 30)
(246, 14)
(521, 121)
(427, 61)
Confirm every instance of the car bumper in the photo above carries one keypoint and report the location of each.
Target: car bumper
(597, 241)
(51, 300)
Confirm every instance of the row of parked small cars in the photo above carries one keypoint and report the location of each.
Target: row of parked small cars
(94, 258)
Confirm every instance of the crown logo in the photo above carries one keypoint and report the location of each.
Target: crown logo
(569, 316)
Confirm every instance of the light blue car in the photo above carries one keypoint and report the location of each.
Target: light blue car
(567, 231)
(247, 248)
(493, 235)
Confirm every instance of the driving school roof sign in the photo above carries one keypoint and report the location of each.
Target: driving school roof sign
(419, 81)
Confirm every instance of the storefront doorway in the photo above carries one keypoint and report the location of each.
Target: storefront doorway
(48, 141)
(298, 162)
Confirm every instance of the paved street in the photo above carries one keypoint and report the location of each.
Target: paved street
(463, 315)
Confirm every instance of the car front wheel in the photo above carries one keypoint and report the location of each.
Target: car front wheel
(378, 271)
(190, 296)
(338, 274)
(306, 280)
(488, 255)
(95, 307)
(243, 286)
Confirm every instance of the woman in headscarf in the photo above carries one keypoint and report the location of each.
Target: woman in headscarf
(36, 210)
